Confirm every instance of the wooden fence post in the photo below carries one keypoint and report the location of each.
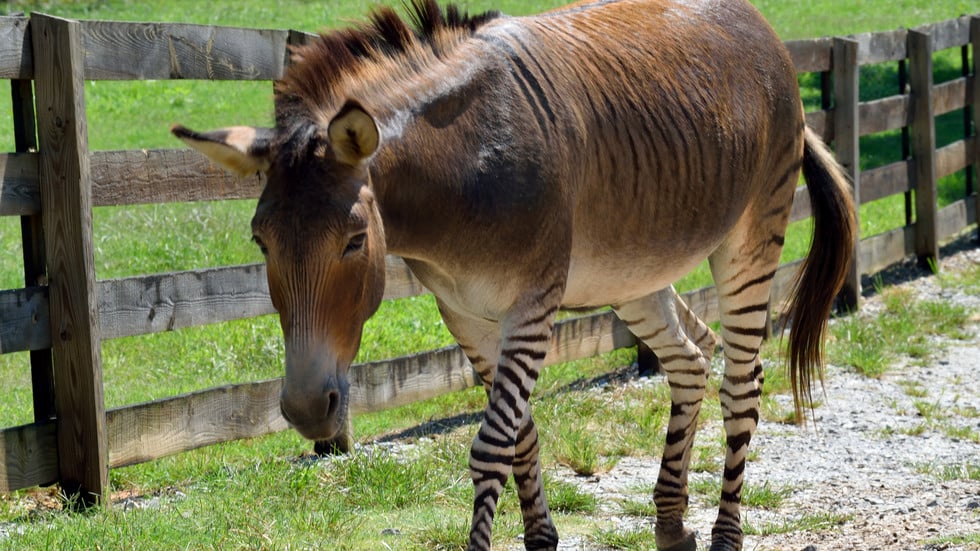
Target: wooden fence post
(847, 148)
(923, 148)
(66, 197)
(32, 239)
(965, 71)
(975, 44)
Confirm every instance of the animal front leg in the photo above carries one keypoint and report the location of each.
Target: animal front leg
(539, 529)
(492, 455)
(526, 337)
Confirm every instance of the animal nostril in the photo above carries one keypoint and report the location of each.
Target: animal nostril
(333, 404)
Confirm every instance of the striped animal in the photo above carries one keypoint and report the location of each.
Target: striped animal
(587, 156)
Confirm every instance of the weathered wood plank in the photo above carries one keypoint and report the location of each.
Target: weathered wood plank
(883, 114)
(15, 48)
(67, 219)
(704, 303)
(923, 130)
(24, 322)
(883, 250)
(955, 156)
(956, 216)
(951, 95)
(885, 181)
(588, 336)
(400, 282)
(19, 193)
(173, 425)
(880, 47)
(822, 122)
(133, 51)
(948, 34)
(810, 56)
(846, 136)
(384, 385)
(164, 176)
(166, 302)
(28, 456)
(801, 205)
(782, 286)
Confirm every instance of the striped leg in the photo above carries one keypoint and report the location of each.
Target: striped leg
(539, 529)
(508, 439)
(684, 345)
(743, 269)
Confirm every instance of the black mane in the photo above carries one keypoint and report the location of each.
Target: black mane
(318, 67)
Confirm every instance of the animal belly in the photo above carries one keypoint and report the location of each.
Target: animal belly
(601, 282)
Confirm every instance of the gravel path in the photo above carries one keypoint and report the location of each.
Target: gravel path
(872, 460)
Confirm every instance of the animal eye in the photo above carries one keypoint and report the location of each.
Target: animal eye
(262, 247)
(355, 244)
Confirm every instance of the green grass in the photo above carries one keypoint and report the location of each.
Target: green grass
(903, 328)
(944, 542)
(946, 473)
(633, 538)
(565, 497)
(805, 523)
(639, 507)
(255, 494)
(763, 496)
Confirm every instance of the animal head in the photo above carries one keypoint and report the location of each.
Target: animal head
(319, 228)
(317, 221)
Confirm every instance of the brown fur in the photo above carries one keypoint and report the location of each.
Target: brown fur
(588, 156)
(321, 71)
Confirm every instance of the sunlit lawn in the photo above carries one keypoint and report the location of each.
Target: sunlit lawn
(281, 500)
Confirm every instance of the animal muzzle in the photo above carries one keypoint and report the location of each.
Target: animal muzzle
(314, 398)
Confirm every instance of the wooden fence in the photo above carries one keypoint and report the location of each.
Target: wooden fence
(63, 313)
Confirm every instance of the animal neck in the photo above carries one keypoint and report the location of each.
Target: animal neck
(428, 150)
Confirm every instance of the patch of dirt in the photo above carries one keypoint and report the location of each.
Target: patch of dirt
(884, 462)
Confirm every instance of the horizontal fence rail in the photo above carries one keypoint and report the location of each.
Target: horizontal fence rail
(163, 302)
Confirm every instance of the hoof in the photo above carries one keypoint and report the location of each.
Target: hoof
(338, 445)
(547, 541)
(688, 543)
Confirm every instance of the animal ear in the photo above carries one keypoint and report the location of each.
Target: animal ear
(354, 136)
(242, 150)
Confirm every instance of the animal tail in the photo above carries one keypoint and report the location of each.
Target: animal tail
(823, 270)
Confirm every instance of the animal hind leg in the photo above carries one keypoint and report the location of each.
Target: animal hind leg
(684, 345)
(743, 269)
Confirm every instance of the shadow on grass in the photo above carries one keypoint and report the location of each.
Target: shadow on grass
(449, 424)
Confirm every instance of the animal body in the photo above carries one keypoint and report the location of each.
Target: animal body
(587, 156)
